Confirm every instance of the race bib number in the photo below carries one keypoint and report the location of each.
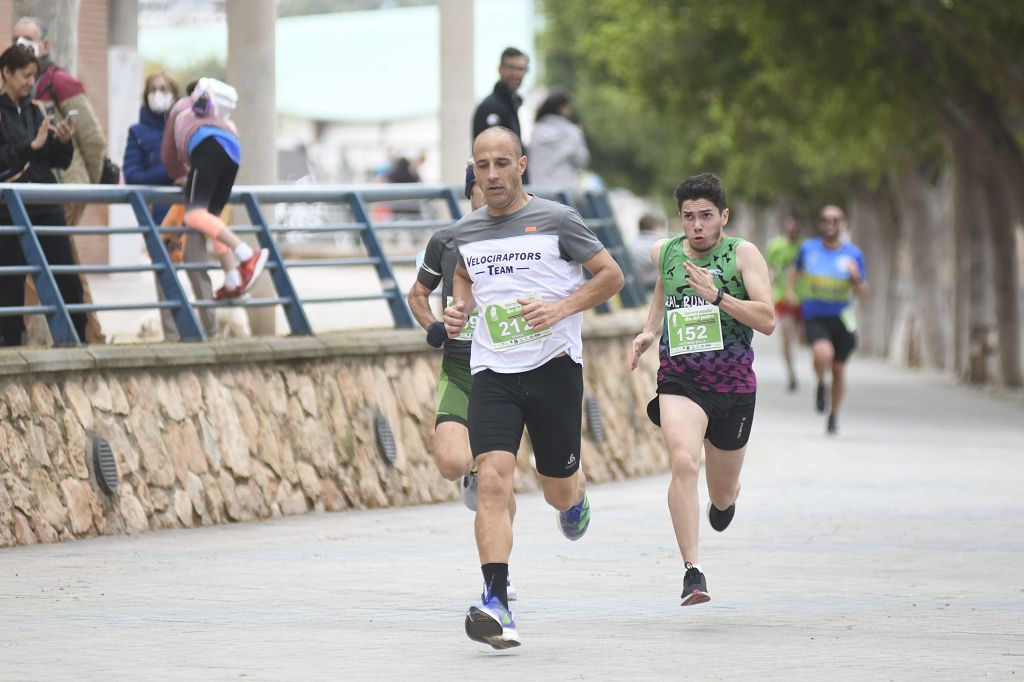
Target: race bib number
(694, 329)
(508, 329)
(849, 319)
(467, 332)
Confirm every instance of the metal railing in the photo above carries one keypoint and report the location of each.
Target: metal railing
(594, 207)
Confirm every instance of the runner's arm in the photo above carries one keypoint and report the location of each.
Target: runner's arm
(860, 285)
(419, 303)
(607, 280)
(457, 314)
(758, 312)
(655, 314)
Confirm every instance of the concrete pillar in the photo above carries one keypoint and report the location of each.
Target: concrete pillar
(457, 97)
(61, 19)
(124, 97)
(251, 64)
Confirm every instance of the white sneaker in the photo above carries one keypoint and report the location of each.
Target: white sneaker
(468, 489)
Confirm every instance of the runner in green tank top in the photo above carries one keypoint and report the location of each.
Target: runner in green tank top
(780, 252)
(714, 291)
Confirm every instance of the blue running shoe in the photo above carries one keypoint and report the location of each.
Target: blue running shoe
(574, 521)
(491, 623)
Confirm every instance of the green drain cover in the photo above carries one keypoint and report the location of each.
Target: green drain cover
(104, 465)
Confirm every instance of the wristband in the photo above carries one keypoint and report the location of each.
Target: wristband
(436, 335)
(722, 291)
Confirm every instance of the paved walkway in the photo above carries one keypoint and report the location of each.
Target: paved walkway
(895, 551)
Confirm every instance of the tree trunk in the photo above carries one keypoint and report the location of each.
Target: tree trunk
(971, 228)
(876, 232)
(917, 217)
(1003, 252)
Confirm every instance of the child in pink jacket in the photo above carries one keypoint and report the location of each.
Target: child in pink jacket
(200, 150)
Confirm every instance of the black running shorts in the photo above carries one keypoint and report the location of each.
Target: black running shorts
(730, 415)
(547, 400)
(831, 329)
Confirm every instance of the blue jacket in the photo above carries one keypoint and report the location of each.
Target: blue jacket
(142, 163)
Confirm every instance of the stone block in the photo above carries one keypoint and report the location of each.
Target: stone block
(58, 359)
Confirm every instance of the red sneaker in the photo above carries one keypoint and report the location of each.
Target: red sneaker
(252, 268)
(225, 293)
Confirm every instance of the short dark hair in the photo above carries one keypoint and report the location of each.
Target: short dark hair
(703, 186)
(517, 144)
(650, 222)
(18, 57)
(511, 52)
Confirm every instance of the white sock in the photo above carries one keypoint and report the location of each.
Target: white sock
(232, 279)
(243, 252)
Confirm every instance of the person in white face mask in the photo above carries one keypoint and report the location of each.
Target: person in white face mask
(143, 165)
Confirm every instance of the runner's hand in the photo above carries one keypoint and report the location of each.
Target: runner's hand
(540, 314)
(701, 281)
(455, 319)
(854, 271)
(641, 343)
(436, 334)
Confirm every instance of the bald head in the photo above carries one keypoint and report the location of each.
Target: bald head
(499, 164)
(499, 135)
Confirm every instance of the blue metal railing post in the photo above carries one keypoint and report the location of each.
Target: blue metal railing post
(184, 316)
(61, 328)
(453, 204)
(388, 284)
(633, 295)
(293, 311)
(564, 198)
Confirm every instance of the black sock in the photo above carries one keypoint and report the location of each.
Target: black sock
(496, 580)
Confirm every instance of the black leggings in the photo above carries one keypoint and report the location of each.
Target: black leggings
(57, 250)
(210, 178)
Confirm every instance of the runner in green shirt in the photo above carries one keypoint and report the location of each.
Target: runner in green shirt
(780, 252)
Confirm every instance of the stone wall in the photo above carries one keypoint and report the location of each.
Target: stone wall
(242, 430)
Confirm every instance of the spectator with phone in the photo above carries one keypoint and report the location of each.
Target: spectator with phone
(61, 93)
(31, 146)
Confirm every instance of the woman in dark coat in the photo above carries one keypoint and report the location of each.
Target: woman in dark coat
(31, 145)
(142, 162)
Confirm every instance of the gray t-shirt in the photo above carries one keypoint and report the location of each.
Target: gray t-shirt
(535, 252)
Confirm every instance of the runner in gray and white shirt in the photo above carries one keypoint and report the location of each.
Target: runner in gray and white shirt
(521, 261)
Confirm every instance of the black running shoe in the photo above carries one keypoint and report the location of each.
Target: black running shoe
(821, 397)
(695, 587)
(833, 424)
(792, 385)
(720, 518)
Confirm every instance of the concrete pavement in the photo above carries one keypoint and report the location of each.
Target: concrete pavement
(895, 551)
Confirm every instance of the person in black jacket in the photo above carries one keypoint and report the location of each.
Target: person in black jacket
(501, 107)
(31, 145)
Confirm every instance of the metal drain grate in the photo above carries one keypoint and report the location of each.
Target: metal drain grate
(595, 422)
(105, 465)
(386, 445)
